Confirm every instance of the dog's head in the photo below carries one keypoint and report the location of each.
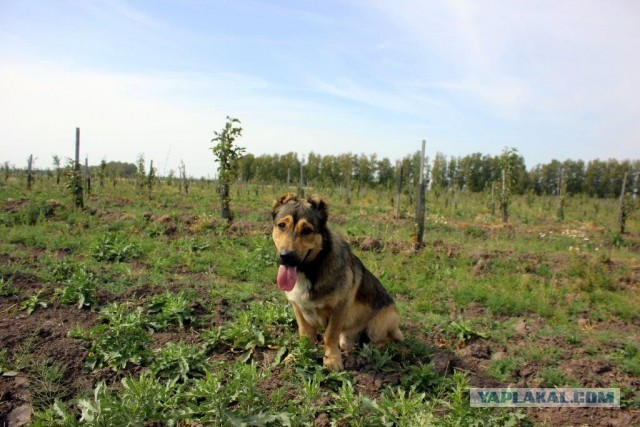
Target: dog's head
(298, 229)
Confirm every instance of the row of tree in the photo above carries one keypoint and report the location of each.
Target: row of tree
(475, 172)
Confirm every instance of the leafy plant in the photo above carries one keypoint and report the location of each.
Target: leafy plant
(80, 289)
(350, 408)
(180, 362)
(5, 367)
(400, 407)
(63, 270)
(6, 288)
(423, 379)
(463, 330)
(378, 358)
(113, 249)
(259, 325)
(628, 357)
(170, 309)
(73, 178)
(58, 414)
(551, 376)
(503, 369)
(140, 402)
(34, 301)
(210, 398)
(47, 383)
(228, 156)
(120, 341)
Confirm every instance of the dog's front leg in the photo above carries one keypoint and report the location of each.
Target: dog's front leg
(332, 357)
(304, 328)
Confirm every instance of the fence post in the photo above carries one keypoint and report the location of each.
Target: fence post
(30, 172)
(503, 199)
(87, 176)
(301, 183)
(349, 187)
(420, 201)
(399, 189)
(622, 214)
(493, 200)
(78, 197)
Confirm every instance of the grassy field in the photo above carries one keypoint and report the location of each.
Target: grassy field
(150, 310)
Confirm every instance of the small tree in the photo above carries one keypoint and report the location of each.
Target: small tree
(56, 165)
(30, 172)
(102, 172)
(151, 178)
(74, 183)
(7, 169)
(184, 183)
(141, 175)
(562, 191)
(508, 162)
(228, 156)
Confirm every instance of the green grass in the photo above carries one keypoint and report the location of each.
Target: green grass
(233, 354)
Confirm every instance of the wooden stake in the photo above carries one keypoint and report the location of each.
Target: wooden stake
(399, 189)
(420, 205)
(622, 214)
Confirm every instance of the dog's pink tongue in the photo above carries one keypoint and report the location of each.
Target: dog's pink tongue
(287, 277)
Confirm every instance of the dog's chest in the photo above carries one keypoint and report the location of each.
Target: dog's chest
(312, 310)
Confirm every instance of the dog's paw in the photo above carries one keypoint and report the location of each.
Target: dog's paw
(333, 363)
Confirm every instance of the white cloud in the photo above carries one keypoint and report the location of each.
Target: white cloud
(571, 64)
(166, 117)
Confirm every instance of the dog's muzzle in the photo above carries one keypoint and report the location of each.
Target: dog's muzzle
(288, 258)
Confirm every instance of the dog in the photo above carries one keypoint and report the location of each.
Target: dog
(327, 285)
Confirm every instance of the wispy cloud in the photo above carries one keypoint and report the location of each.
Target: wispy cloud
(553, 78)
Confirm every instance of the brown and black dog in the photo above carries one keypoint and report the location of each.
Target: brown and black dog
(327, 285)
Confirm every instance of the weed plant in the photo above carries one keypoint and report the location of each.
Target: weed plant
(122, 340)
(170, 309)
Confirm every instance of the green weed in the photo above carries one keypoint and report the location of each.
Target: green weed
(123, 339)
(170, 309)
(23, 357)
(378, 358)
(463, 330)
(503, 369)
(628, 358)
(80, 289)
(34, 301)
(259, 325)
(58, 414)
(63, 270)
(140, 401)
(423, 379)
(47, 383)
(551, 376)
(5, 365)
(114, 249)
(180, 362)
(6, 288)
(399, 407)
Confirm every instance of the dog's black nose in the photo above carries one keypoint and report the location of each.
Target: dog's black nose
(288, 258)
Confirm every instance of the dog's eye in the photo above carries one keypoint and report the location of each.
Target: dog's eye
(306, 231)
(282, 226)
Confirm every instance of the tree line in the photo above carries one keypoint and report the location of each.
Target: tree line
(474, 172)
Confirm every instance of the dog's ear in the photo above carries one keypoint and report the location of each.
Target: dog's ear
(281, 201)
(321, 206)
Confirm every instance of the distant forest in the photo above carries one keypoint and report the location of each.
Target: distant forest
(475, 173)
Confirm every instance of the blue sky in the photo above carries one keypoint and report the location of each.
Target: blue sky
(555, 79)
